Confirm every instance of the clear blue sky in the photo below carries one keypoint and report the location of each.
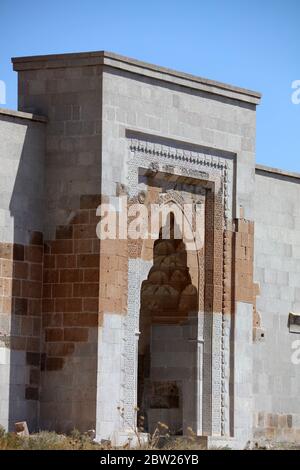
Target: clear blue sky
(249, 43)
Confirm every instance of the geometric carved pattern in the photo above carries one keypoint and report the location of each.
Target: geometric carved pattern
(211, 171)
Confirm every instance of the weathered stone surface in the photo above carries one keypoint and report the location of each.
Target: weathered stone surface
(76, 312)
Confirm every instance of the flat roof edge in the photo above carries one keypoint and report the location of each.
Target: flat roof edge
(276, 172)
(134, 66)
(22, 115)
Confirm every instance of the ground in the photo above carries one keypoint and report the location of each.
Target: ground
(76, 441)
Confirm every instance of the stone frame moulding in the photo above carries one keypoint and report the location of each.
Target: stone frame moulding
(214, 171)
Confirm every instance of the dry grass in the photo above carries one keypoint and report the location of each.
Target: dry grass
(48, 441)
(76, 441)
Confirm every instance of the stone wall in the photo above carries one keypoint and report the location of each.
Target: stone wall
(70, 97)
(70, 322)
(147, 106)
(106, 114)
(277, 270)
(21, 260)
(162, 106)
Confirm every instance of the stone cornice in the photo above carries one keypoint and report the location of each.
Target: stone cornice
(21, 115)
(276, 172)
(136, 67)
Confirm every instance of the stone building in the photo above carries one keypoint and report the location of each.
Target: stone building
(198, 337)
